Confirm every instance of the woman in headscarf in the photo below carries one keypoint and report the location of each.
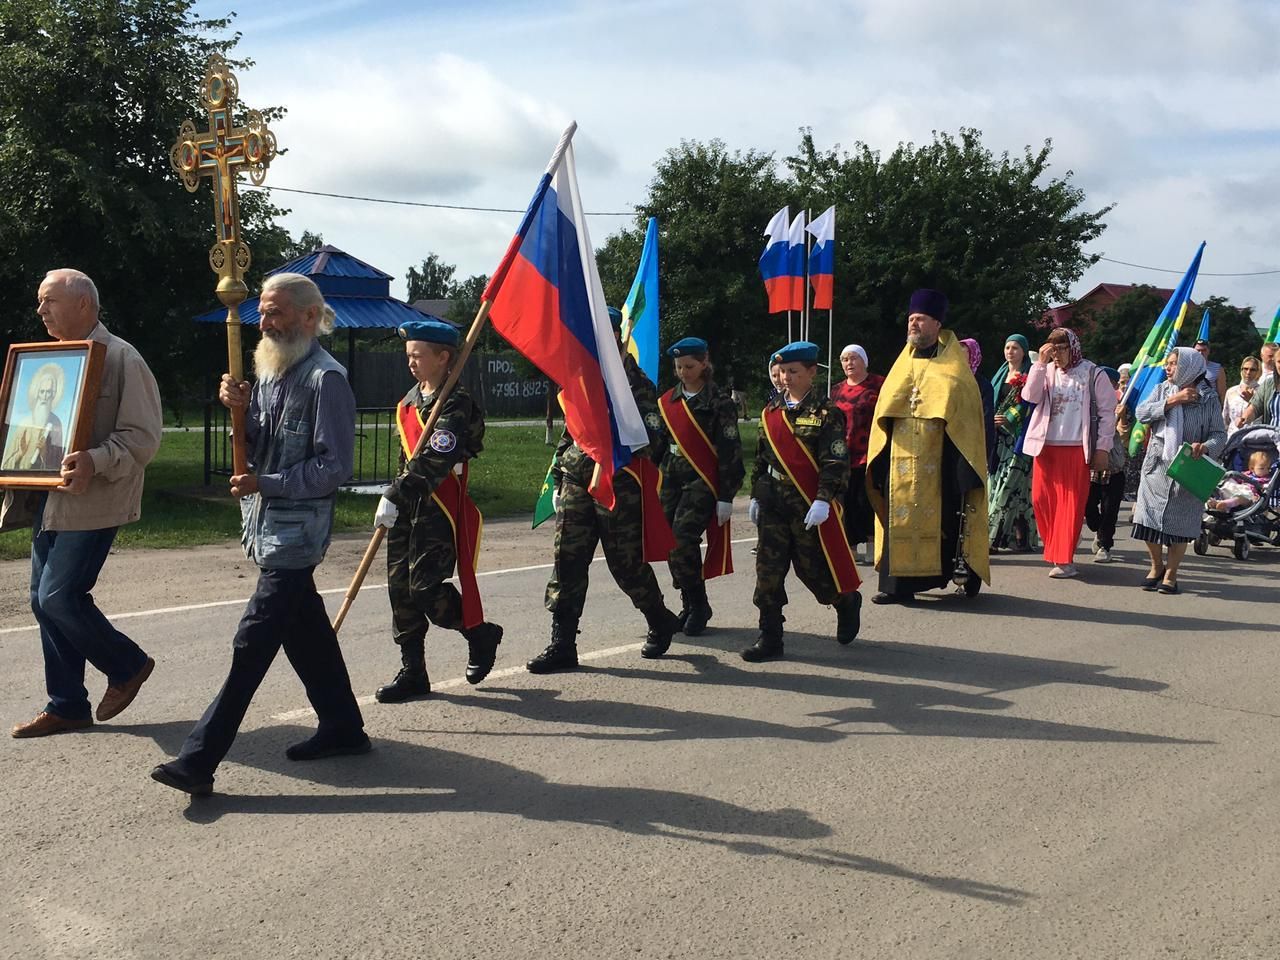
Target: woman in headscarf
(1182, 409)
(1069, 434)
(988, 398)
(1010, 520)
(856, 397)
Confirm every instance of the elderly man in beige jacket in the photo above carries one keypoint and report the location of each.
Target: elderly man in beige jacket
(74, 525)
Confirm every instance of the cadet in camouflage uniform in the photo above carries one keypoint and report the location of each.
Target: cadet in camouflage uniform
(581, 523)
(421, 553)
(787, 524)
(686, 499)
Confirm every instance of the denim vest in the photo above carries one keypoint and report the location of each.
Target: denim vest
(279, 533)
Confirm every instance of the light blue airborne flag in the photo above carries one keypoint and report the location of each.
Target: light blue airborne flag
(640, 312)
(1204, 327)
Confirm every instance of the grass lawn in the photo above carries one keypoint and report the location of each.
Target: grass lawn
(504, 483)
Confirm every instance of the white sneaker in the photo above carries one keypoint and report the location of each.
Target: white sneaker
(1064, 572)
(1097, 547)
(1103, 556)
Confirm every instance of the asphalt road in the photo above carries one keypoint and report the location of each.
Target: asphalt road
(1055, 769)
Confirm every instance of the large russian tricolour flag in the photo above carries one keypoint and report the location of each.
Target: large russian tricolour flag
(774, 266)
(822, 258)
(545, 298)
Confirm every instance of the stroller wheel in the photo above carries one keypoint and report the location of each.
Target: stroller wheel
(1201, 546)
(1241, 549)
(1214, 540)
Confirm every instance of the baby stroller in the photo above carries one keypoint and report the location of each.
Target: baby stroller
(1254, 523)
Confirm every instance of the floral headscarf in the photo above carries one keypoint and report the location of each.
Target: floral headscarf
(1073, 347)
(975, 354)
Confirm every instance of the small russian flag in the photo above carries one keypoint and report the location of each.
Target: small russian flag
(773, 262)
(795, 262)
(822, 258)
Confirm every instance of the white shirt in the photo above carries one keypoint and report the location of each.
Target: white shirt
(1066, 405)
(1233, 407)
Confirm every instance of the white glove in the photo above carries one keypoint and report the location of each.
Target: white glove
(385, 515)
(723, 512)
(457, 468)
(555, 500)
(817, 514)
(753, 511)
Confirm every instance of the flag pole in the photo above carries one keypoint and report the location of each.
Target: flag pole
(789, 337)
(830, 311)
(477, 325)
(807, 221)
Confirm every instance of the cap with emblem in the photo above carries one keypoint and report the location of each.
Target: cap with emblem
(432, 331)
(688, 347)
(802, 351)
(615, 317)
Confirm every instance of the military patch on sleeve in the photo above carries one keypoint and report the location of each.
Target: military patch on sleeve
(731, 431)
(442, 441)
(808, 421)
(652, 421)
(839, 449)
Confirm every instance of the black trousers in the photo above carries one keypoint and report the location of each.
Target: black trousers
(284, 611)
(1103, 506)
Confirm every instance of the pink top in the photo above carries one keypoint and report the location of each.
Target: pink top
(1098, 415)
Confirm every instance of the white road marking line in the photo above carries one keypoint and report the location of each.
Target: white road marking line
(161, 611)
(302, 714)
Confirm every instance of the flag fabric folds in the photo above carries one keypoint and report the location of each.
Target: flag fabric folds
(1274, 330)
(795, 263)
(1148, 365)
(822, 258)
(1204, 327)
(545, 298)
(640, 312)
(773, 262)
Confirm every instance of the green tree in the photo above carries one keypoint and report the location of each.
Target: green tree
(92, 93)
(1232, 334)
(309, 242)
(433, 282)
(1114, 335)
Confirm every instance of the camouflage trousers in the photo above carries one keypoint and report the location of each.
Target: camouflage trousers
(784, 542)
(689, 505)
(580, 525)
(420, 559)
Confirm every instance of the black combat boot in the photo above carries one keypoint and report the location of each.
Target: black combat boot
(562, 652)
(697, 611)
(482, 650)
(663, 625)
(410, 682)
(848, 618)
(768, 645)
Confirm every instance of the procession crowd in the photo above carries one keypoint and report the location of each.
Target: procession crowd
(928, 468)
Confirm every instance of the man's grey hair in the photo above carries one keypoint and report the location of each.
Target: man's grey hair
(77, 283)
(303, 293)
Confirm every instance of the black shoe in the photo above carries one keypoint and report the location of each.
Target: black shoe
(323, 745)
(410, 682)
(903, 598)
(765, 648)
(482, 650)
(848, 618)
(171, 775)
(1166, 587)
(698, 614)
(662, 627)
(557, 656)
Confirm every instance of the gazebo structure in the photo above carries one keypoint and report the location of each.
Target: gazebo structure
(359, 294)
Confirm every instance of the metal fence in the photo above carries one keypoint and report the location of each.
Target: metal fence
(377, 452)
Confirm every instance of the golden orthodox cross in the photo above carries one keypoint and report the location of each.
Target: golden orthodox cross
(221, 153)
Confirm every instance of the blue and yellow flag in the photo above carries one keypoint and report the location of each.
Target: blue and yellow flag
(1274, 330)
(640, 312)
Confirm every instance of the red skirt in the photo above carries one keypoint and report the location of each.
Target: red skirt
(1059, 492)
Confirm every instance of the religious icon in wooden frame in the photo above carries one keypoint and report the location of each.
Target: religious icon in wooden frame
(47, 399)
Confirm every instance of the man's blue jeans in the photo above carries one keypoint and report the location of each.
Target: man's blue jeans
(64, 568)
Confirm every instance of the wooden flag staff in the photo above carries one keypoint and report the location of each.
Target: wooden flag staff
(380, 533)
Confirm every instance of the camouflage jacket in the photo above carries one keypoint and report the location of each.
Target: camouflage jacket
(458, 436)
(572, 464)
(819, 425)
(717, 415)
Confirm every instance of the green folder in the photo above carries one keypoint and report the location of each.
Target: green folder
(1198, 476)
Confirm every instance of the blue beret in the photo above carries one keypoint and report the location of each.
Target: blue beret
(432, 331)
(802, 351)
(688, 347)
(615, 317)
(933, 303)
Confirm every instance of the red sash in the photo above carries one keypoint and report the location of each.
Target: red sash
(658, 540)
(803, 471)
(460, 510)
(701, 454)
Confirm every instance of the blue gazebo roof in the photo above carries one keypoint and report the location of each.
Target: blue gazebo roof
(359, 294)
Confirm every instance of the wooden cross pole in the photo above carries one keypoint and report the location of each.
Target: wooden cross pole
(220, 153)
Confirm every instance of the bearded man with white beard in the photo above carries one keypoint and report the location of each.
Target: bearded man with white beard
(37, 441)
(300, 434)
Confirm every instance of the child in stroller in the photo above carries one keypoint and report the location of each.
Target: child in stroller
(1246, 508)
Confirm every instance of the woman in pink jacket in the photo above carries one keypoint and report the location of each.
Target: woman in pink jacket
(1070, 433)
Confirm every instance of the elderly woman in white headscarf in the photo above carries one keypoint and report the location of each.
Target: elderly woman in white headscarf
(1183, 409)
(856, 397)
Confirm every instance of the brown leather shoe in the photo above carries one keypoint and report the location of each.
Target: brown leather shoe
(46, 723)
(117, 698)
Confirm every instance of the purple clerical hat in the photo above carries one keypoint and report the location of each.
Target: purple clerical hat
(931, 302)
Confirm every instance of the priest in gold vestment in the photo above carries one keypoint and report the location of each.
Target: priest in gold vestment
(927, 464)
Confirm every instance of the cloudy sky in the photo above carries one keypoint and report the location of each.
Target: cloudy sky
(1164, 108)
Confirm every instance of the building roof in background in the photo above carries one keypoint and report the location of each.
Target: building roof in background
(1099, 298)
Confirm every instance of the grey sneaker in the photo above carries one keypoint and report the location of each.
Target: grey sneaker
(1064, 571)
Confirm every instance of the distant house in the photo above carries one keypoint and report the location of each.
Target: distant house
(1079, 314)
